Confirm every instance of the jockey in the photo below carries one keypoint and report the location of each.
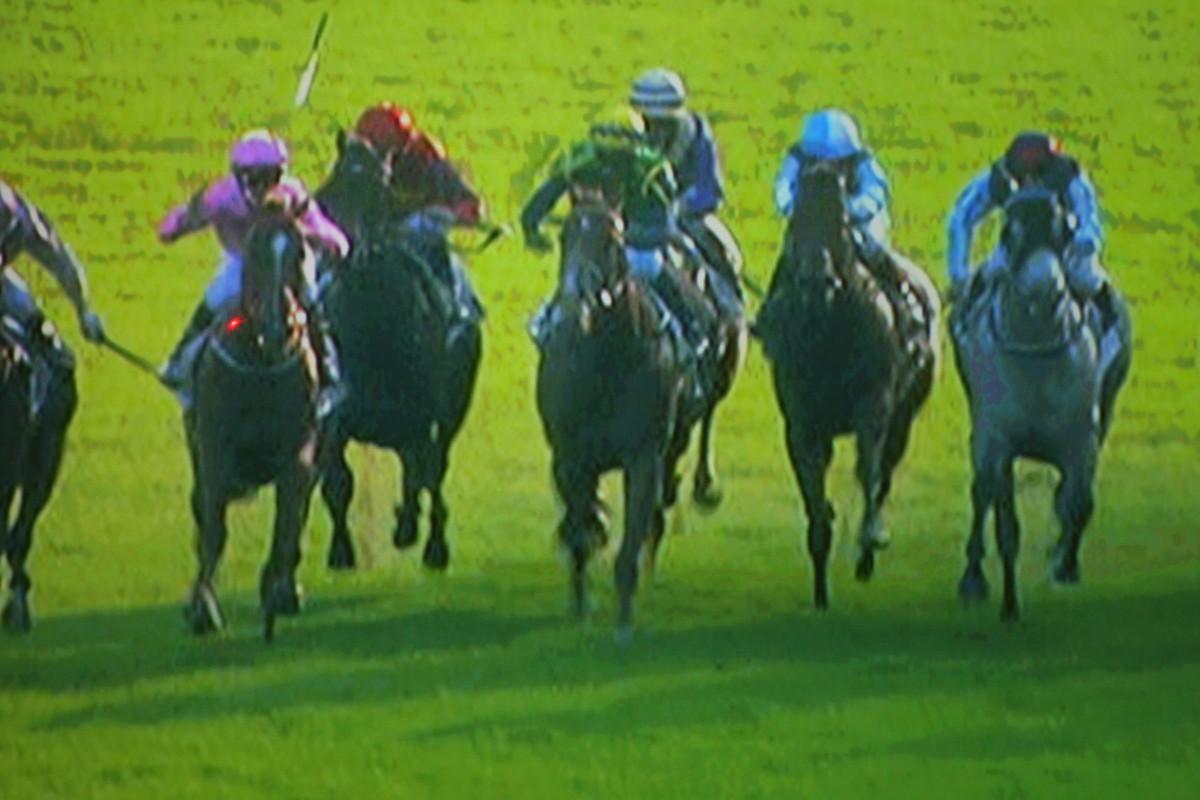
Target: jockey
(637, 180)
(832, 136)
(657, 98)
(258, 186)
(24, 227)
(431, 193)
(1033, 159)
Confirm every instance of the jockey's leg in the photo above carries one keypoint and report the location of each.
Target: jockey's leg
(717, 245)
(1089, 281)
(35, 334)
(222, 293)
(331, 390)
(873, 249)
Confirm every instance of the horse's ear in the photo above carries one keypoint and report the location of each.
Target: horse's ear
(341, 142)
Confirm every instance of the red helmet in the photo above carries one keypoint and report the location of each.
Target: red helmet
(386, 126)
(1030, 153)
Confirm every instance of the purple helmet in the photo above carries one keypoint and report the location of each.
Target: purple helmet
(257, 149)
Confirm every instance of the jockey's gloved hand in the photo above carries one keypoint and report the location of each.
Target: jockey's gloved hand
(538, 242)
(92, 327)
(1080, 249)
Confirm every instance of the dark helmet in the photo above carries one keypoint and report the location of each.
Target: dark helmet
(1030, 154)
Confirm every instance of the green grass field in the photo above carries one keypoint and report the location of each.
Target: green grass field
(395, 683)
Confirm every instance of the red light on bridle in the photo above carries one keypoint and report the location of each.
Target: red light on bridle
(234, 323)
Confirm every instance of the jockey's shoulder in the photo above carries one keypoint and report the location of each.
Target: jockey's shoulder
(425, 148)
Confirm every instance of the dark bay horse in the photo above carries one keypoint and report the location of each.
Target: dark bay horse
(609, 392)
(844, 361)
(253, 422)
(729, 339)
(31, 448)
(409, 383)
(1041, 380)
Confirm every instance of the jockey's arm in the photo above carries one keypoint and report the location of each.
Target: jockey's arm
(321, 230)
(785, 184)
(873, 191)
(972, 206)
(452, 192)
(46, 247)
(1088, 231)
(702, 191)
(187, 218)
(544, 199)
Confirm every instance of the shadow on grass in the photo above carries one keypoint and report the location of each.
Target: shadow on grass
(356, 651)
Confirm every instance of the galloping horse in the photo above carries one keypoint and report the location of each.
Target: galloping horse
(844, 361)
(409, 385)
(1041, 380)
(253, 421)
(610, 394)
(31, 448)
(729, 351)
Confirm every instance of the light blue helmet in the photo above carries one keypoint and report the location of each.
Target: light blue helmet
(829, 134)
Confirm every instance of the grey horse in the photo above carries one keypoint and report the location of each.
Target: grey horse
(1041, 376)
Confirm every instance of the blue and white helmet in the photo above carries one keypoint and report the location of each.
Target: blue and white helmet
(658, 93)
(829, 134)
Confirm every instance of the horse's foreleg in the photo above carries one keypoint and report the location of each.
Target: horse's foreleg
(706, 493)
(1008, 539)
(337, 489)
(869, 470)
(973, 586)
(437, 549)
(581, 529)
(278, 593)
(1074, 502)
(643, 485)
(45, 458)
(17, 606)
(408, 513)
(810, 456)
(203, 613)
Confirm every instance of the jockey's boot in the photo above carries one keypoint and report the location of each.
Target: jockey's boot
(891, 281)
(176, 372)
(331, 389)
(696, 338)
(467, 310)
(47, 354)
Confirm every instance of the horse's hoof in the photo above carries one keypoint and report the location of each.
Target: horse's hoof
(1068, 576)
(436, 555)
(290, 600)
(865, 567)
(821, 601)
(204, 614)
(1009, 613)
(341, 556)
(707, 497)
(15, 617)
(269, 628)
(973, 589)
(580, 604)
(623, 635)
(406, 530)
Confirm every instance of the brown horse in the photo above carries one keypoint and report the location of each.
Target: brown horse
(31, 448)
(253, 422)
(609, 392)
(844, 361)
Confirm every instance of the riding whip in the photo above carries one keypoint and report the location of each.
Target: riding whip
(304, 88)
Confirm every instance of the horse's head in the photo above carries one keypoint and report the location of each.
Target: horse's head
(357, 161)
(593, 258)
(356, 194)
(818, 244)
(1037, 308)
(272, 276)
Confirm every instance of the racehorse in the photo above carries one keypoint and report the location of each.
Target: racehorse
(31, 448)
(844, 361)
(253, 421)
(409, 383)
(610, 394)
(729, 352)
(1041, 380)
